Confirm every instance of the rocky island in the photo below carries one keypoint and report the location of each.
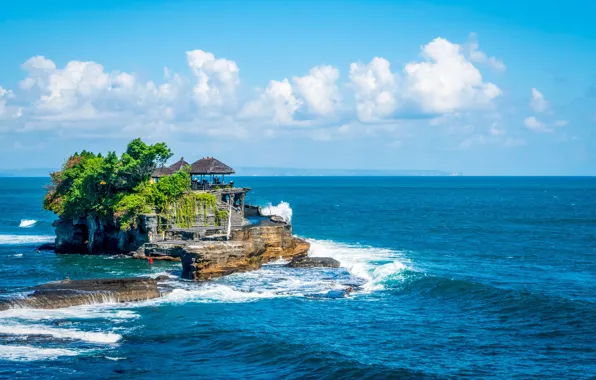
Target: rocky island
(135, 205)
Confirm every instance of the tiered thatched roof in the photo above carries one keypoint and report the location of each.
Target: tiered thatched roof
(160, 172)
(210, 165)
(178, 165)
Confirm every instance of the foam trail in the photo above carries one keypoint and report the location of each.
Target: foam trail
(25, 239)
(28, 353)
(26, 330)
(212, 293)
(374, 265)
(283, 210)
(103, 311)
(26, 223)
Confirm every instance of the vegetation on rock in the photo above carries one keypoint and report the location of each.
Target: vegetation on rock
(120, 188)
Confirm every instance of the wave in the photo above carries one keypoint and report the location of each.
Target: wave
(99, 311)
(25, 239)
(376, 266)
(27, 223)
(27, 330)
(28, 353)
(283, 210)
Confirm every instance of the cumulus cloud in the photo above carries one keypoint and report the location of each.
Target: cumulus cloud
(446, 81)
(538, 103)
(217, 79)
(319, 90)
(535, 125)
(209, 99)
(278, 102)
(476, 55)
(375, 88)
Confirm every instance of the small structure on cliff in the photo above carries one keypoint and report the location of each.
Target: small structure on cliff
(160, 172)
(209, 173)
(178, 165)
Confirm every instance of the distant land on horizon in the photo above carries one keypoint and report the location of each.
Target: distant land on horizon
(266, 171)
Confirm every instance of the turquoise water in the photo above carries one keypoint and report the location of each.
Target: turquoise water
(460, 277)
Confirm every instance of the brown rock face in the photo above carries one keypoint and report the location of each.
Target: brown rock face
(247, 249)
(67, 293)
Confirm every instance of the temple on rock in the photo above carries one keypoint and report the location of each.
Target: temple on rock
(208, 176)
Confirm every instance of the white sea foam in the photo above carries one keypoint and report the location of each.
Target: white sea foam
(28, 353)
(26, 223)
(373, 265)
(26, 330)
(98, 311)
(25, 239)
(283, 209)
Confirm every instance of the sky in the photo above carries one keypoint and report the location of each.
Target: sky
(482, 88)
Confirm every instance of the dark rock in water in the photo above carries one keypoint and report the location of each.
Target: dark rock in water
(67, 293)
(333, 294)
(162, 278)
(47, 247)
(277, 219)
(313, 262)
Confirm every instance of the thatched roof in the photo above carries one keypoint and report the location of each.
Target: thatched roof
(210, 165)
(160, 172)
(179, 165)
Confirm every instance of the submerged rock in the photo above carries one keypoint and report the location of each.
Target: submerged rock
(47, 247)
(313, 262)
(67, 293)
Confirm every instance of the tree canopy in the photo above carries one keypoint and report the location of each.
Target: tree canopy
(114, 187)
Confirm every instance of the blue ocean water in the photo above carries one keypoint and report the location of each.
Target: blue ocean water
(461, 277)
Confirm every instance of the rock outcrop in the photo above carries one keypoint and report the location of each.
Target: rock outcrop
(247, 249)
(90, 235)
(313, 262)
(68, 293)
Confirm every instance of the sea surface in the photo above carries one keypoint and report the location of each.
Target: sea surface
(458, 277)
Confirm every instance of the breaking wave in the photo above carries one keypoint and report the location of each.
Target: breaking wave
(376, 266)
(25, 239)
(26, 223)
(28, 330)
(28, 353)
(283, 210)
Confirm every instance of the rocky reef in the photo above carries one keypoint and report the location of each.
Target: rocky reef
(247, 249)
(67, 293)
(313, 262)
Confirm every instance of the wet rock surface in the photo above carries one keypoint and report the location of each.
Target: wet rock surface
(313, 262)
(67, 293)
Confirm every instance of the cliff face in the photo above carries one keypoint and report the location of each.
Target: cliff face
(91, 235)
(247, 249)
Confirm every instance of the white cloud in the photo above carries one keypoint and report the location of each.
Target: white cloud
(446, 82)
(374, 87)
(217, 79)
(535, 125)
(319, 90)
(538, 103)
(278, 101)
(479, 56)
(561, 123)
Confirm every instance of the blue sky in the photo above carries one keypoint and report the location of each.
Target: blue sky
(485, 88)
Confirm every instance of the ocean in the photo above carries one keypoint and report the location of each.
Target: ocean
(459, 277)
